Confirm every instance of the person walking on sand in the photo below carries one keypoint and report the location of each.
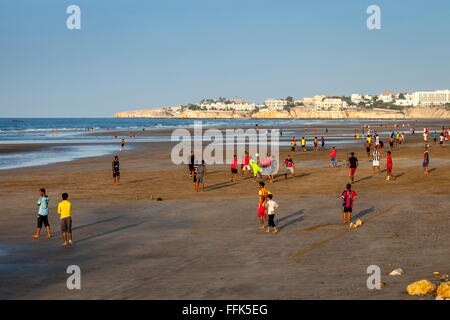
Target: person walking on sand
(234, 169)
(352, 164)
(333, 157)
(272, 205)
(376, 155)
(289, 166)
(348, 196)
(201, 176)
(262, 201)
(389, 167)
(116, 170)
(42, 216)
(66, 218)
(426, 159)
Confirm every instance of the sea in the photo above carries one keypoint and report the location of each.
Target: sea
(67, 139)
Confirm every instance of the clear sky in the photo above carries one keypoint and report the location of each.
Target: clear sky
(132, 54)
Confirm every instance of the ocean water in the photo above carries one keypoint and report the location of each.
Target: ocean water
(80, 143)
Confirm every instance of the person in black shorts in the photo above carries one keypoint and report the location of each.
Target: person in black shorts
(116, 170)
(42, 217)
(381, 145)
(191, 164)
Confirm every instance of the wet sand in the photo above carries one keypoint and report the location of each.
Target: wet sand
(208, 245)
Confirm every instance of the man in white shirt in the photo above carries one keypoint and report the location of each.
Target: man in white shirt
(376, 160)
(271, 207)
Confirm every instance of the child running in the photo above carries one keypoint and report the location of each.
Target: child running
(66, 218)
(389, 167)
(347, 203)
(256, 169)
(289, 166)
(42, 217)
(262, 202)
(271, 207)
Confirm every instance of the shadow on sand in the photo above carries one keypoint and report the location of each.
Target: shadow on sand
(290, 219)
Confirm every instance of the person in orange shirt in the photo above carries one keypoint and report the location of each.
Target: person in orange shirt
(262, 201)
(66, 218)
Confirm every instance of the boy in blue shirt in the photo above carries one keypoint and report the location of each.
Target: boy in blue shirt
(42, 217)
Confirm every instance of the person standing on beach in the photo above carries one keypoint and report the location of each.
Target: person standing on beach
(288, 165)
(201, 176)
(333, 157)
(316, 144)
(389, 167)
(66, 219)
(441, 139)
(42, 217)
(116, 170)
(191, 163)
(391, 143)
(234, 169)
(323, 143)
(352, 164)
(376, 155)
(348, 196)
(426, 160)
(303, 144)
(245, 166)
(123, 145)
(271, 207)
(368, 148)
(262, 201)
(293, 144)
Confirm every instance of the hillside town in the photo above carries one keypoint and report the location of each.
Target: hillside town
(317, 106)
(385, 100)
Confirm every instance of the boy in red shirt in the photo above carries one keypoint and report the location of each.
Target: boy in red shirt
(389, 167)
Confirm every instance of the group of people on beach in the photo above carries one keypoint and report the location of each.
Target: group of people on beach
(64, 211)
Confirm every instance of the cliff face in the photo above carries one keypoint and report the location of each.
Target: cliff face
(293, 113)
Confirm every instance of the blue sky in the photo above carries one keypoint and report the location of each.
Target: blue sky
(133, 54)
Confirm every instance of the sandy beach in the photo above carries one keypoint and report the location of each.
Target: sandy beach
(207, 245)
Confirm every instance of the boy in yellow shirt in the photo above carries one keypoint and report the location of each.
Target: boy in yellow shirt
(66, 219)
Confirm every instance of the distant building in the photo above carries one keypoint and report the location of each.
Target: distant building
(386, 97)
(274, 104)
(431, 97)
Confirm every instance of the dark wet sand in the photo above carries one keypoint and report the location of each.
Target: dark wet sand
(208, 245)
